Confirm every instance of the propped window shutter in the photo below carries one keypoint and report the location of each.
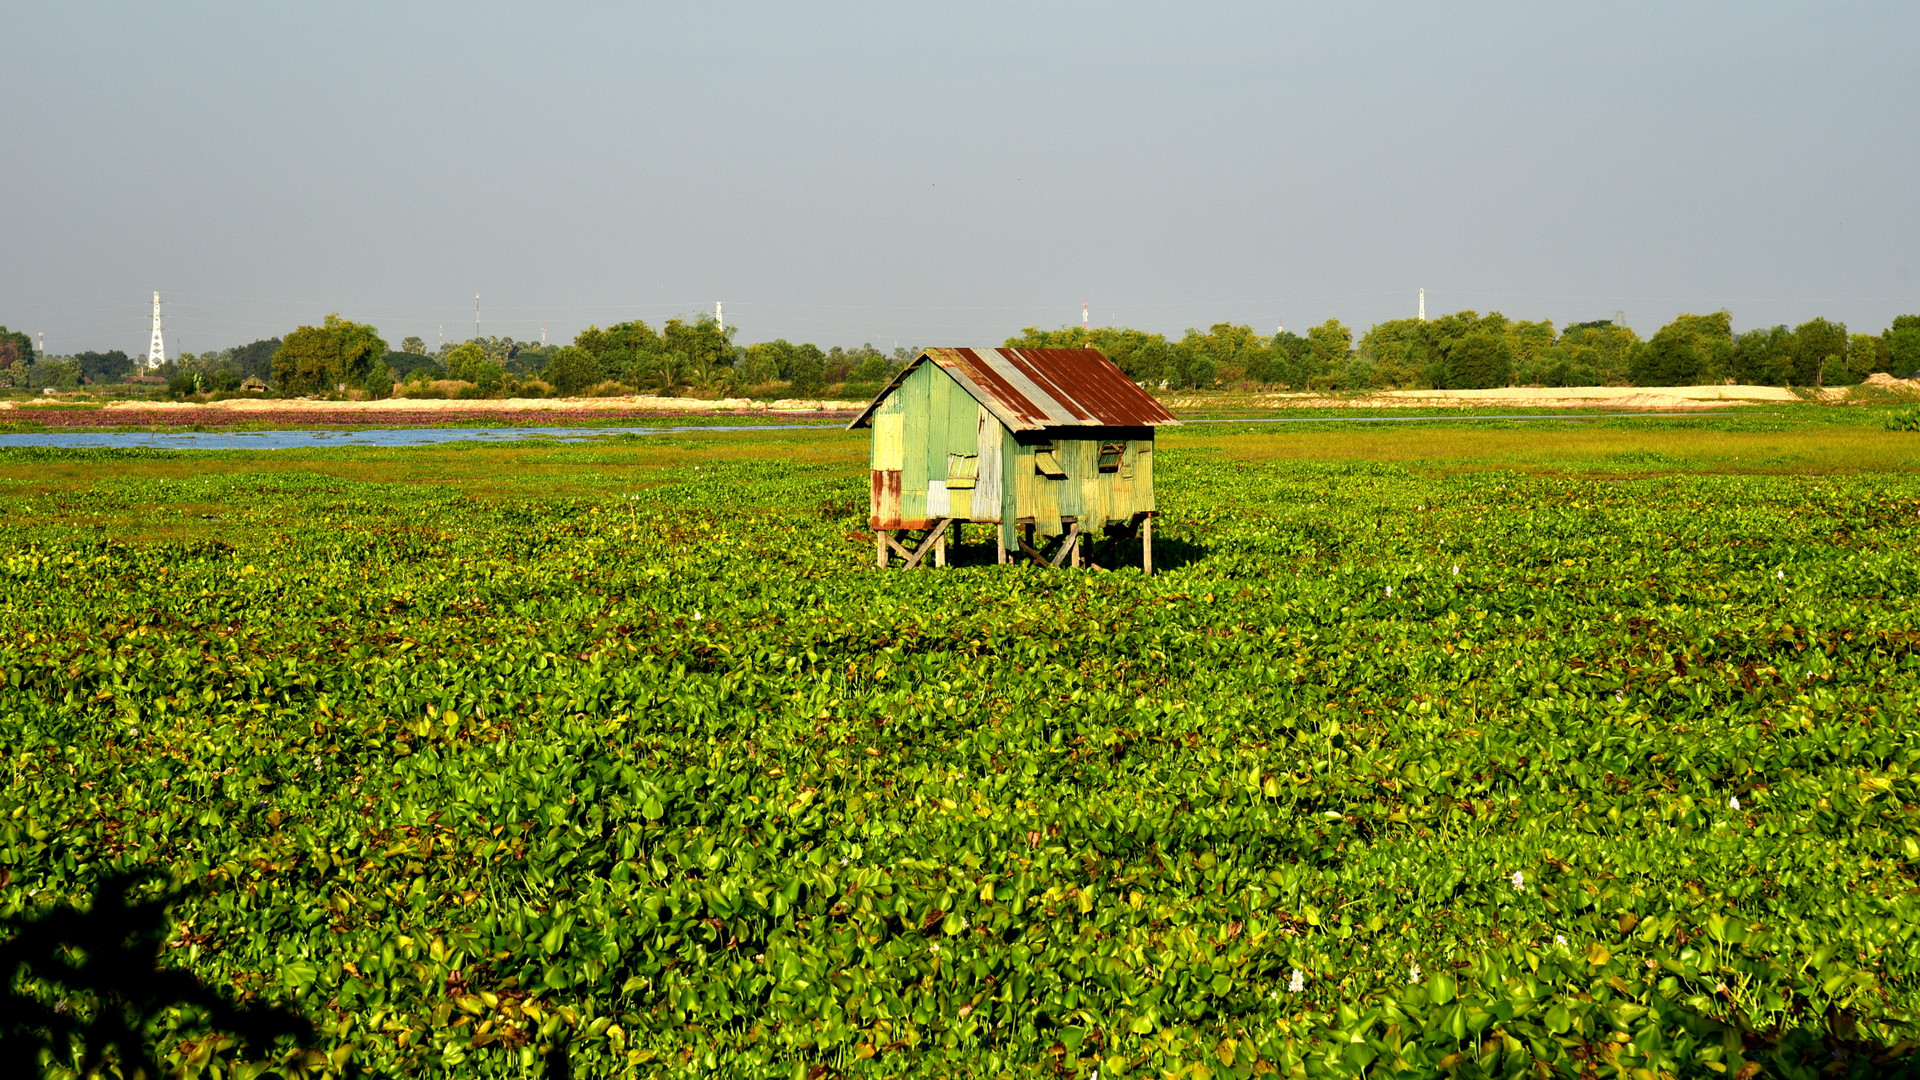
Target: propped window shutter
(963, 470)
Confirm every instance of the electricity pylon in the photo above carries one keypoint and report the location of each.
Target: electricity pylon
(157, 349)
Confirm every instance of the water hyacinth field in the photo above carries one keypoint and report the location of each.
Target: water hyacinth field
(480, 758)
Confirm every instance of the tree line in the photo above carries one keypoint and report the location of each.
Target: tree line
(1467, 350)
(682, 356)
(1464, 350)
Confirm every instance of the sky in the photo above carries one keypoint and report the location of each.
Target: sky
(948, 173)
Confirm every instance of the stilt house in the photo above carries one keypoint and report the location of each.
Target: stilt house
(1038, 443)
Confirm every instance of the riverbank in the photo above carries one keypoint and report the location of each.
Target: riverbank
(76, 411)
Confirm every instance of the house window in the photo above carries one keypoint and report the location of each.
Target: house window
(963, 470)
(1110, 455)
(1046, 461)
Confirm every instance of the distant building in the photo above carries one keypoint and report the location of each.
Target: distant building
(1037, 442)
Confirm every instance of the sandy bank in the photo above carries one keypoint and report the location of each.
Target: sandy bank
(1561, 397)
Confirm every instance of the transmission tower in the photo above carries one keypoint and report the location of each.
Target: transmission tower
(157, 349)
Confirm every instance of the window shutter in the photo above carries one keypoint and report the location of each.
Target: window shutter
(963, 470)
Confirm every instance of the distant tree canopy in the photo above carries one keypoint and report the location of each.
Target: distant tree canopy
(1903, 346)
(1467, 350)
(319, 358)
(463, 361)
(1690, 350)
(1461, 350)
(803, 366)
(104, 367)
(16, 357)
(682, 355)
(1820, 349)
(573, 368)
(254, 360)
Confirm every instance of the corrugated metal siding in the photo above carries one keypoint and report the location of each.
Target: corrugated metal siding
(1010, 511)
(985, 504)
(916, 401)
(889, 438)
(1143, 480)
(885, 499)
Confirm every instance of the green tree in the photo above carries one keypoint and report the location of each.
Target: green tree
(1235, 353)
(379, 381)
(1818, 344)
(702, 343)
(760, 364)
(871, 369)
(1328, 343)
(463, 361)
(104, 367)
(1597, 353)
(255, 359)
(1532, 348)
(1763, 357)
(1480, 360)
(490, 376)
(413, 345)
(805, 368)
(16, 350)
(319, 358)
(1690, 350)
(1903, 346)
(1863, 356)
(1289, 360)
(636, 338)
(571, 369)
(1399, 351)
(59, 374)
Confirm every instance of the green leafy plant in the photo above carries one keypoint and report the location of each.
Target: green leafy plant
(1389, 771)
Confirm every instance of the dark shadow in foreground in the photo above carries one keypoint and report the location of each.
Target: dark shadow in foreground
(85, 987)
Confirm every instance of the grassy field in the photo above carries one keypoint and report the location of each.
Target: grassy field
(1488, 748)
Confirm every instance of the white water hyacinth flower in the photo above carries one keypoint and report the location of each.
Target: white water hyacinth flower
(1298, 983)
(1413, 973)
(1559, 939)
(1389, 590)
(1780, 575)
(1519, 881)
(1733, 803)
(1456, 571)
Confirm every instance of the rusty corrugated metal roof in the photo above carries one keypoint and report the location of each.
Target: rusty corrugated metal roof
(1030, 389)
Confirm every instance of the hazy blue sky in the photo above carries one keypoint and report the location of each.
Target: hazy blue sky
(948, 173)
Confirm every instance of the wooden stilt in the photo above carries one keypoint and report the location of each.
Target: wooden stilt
(895, 546)
(940, 546)
(880, 548)
(1075, 540)
(1146, 545)
(1069, 545)
(936, 536)
(1000, 546)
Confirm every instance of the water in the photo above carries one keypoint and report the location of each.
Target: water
(295, 440)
